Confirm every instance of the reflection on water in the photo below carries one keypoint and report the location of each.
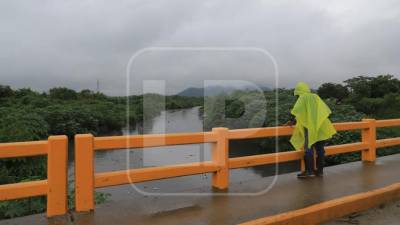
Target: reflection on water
(187, 120)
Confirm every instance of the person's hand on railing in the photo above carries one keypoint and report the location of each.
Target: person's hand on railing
(290, 123)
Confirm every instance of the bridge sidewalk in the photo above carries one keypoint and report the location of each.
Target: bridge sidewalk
(288, 193)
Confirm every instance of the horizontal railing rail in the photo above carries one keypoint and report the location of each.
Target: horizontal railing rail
(286, 130)
(152, 140)
(86, 180)
(54, 187)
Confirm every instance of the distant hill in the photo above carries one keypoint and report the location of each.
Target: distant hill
(215, 90)
(192, 92)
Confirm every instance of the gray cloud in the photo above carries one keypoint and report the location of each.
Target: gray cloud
(74, 43)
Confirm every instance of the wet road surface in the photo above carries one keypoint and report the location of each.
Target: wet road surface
(287, 193)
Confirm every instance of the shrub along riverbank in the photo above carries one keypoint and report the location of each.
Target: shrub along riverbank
(26, 115)
(357, 98)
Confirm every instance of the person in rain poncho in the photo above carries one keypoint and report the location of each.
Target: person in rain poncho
(312, 128)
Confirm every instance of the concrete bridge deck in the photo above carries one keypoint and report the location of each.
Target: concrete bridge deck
(288, 193)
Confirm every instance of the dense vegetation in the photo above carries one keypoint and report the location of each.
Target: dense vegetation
(377, 97)
(359, 97)
(28, 115)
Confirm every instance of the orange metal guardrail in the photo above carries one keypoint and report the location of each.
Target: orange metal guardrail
(55, 187)
(86, 180)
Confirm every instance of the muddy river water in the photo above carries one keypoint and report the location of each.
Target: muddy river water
(186, 120)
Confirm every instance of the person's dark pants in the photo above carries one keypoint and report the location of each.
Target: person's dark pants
(309, 155)
(319, 148)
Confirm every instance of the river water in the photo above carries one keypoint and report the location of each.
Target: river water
(185, 120)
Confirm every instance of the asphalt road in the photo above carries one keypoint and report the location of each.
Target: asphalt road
(287, 193)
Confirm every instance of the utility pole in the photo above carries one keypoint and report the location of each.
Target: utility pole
(98, 86)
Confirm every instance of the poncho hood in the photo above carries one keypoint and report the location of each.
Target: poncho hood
(301, 88)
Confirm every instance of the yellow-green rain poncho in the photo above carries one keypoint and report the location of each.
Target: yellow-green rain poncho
(311, 113)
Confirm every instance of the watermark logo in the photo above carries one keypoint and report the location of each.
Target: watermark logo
(244, 108)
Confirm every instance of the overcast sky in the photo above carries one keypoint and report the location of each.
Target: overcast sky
(74, 43)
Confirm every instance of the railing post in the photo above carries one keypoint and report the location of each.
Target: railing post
(84, 173)
(368, 136)
(220, 156)
(57, 175)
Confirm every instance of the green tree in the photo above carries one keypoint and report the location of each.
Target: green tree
(359, 87)
(6, 91)
(63, 93)
(331, 90)
(383, 85)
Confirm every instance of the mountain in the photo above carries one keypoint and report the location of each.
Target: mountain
(215, 90)
(192, 92)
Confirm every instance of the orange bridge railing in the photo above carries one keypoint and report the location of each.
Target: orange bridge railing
(55, 187)
(86, 180)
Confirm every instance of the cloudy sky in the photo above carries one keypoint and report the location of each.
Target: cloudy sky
(74, 43)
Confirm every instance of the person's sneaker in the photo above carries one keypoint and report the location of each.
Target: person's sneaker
(305, 175)
(319, 173)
